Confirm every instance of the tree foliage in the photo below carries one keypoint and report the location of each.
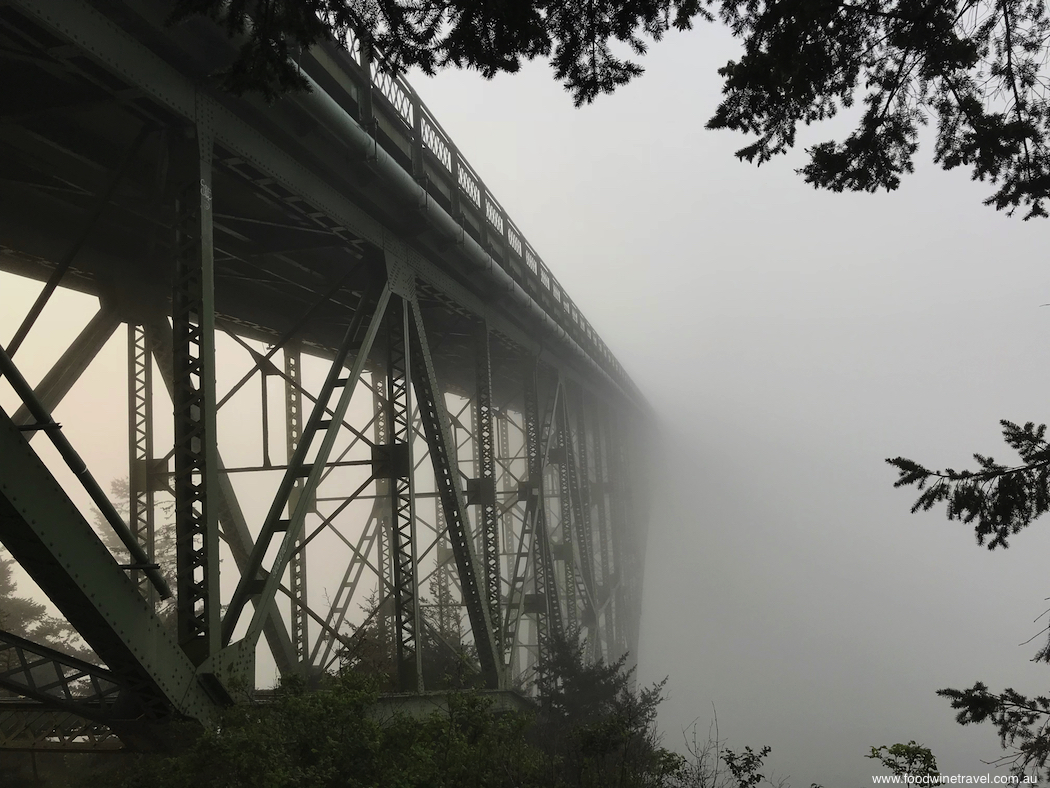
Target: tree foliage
(580, 39)
(29, 619)
(911, 759)
(999, 500)
(711, 764)
(1022, 722)
(744, 766)
(974, 69)
(596, 733)
(596, 729)
(331, 736)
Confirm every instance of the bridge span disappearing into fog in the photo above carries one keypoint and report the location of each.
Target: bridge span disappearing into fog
(365, 425)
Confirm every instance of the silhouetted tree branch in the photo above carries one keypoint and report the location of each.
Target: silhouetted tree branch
(999, 500)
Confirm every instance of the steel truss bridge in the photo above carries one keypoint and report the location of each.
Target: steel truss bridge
(446, 463)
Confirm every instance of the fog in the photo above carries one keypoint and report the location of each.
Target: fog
(790, 340)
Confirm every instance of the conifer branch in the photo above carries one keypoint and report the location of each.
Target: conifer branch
(1023, 724)
(999, 500)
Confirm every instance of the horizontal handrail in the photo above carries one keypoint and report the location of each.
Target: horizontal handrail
(402, 109)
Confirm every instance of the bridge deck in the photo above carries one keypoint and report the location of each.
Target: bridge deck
(301, 188)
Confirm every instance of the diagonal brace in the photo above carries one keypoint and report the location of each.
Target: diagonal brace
(361, 346)
(446, 474)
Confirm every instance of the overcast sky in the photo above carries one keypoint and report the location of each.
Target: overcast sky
(790, 341)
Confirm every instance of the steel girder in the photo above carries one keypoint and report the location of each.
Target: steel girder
(49, 676)
(53, 543)
(395, 463)
(484, 483)
(547, 476)
(196, 462)
(68, 369)
(30, 726)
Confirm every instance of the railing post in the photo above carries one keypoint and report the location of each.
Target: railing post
(418, 171)
(454, 192)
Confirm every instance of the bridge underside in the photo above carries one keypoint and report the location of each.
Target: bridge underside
(390, 440)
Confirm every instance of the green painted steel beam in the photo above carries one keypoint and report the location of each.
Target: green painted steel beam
(49, 537)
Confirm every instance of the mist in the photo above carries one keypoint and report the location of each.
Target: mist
(790, 341)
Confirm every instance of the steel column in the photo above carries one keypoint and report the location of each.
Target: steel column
(234, 527)
(293, 414)
(485, 493)
(140, 449)
(399, 419)
(565, 515)
(196, 463)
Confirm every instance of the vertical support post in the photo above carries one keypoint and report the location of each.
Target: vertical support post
(418, 170)
(196, 466)
(574, 479)
(583, 487)
(616, 532)
(402, 499)
(601, 499)
(507, 486)
(546, 609)
(140, 449)
(383, 526)
(567, 552)
(293, 413)
(630, 547)
(366, 108)
(485, 484)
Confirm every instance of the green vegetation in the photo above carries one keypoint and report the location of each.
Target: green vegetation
(999, 501)
(911, 760)
(593, 730)
(29, 619)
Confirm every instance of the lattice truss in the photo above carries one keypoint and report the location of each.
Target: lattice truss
(338, 455)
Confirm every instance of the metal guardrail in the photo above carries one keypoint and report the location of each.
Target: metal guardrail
(408, 131)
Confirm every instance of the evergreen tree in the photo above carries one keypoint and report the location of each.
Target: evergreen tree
(597, 730)
(999, 501)
(907, 760)
(29, 619)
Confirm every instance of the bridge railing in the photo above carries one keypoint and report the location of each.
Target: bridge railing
(401, 123)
